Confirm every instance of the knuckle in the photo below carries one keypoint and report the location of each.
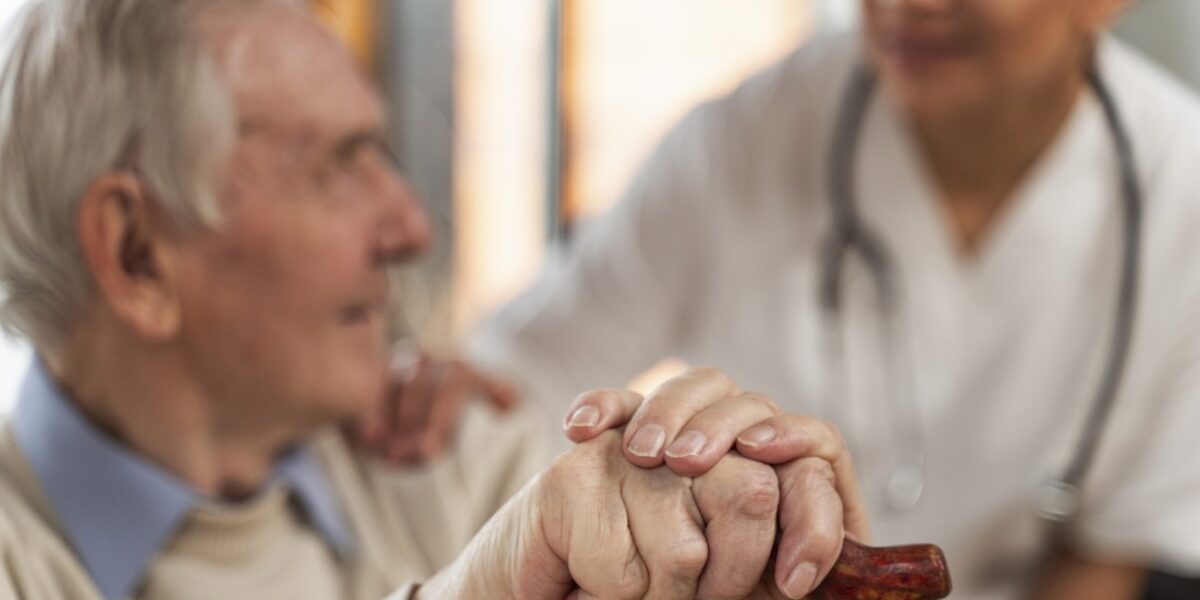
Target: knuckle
(808, 474)
(607, 446)
(606, 400)
(610, 399)
(834, 432)
(687, 558)
(712, 374)
(762, 400)
(823, 541)
(820, 470)
(561, 472)
(758, 496)
(585, 465)
(632, 582)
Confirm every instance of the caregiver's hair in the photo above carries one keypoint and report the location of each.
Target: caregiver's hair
(88, 87)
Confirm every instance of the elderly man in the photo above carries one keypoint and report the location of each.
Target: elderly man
(196, 214)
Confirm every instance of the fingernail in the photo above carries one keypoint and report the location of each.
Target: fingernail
(688, 444)
(800, 581)
(648, 441)
(584, 416)
(758, 436)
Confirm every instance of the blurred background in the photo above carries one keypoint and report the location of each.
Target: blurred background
(517, 120)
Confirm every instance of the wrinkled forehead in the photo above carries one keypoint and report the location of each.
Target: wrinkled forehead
(288, 73)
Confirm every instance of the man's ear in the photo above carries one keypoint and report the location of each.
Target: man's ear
(128, 247)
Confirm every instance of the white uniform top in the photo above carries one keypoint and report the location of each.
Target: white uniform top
(713, 257)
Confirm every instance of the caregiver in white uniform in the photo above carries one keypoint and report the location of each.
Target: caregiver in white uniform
(986, 169)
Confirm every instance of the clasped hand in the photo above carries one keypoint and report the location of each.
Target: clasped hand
(699, 490)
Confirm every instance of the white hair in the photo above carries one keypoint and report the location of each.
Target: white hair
(88, 87)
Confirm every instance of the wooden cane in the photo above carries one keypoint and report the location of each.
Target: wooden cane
(915, 572)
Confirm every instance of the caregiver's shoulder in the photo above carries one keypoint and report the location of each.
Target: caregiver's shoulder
(1162, 117)
(1161, 112)
(783, 113)
(804, 82)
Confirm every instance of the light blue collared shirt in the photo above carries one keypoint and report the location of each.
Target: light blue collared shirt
(117, 508)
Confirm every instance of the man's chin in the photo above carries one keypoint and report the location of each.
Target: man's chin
(353, 397)
(353, 406)
(330, 414)
(357, 402)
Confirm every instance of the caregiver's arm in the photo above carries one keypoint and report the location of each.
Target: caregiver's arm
(1072, 578)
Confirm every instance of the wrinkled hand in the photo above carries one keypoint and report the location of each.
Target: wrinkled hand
(414, 423)
(593, 525)
(690, 422)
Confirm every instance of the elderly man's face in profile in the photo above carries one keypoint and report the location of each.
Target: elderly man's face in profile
(283, 306)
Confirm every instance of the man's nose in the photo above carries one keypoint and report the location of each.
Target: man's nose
(914, 5)
(404, 231)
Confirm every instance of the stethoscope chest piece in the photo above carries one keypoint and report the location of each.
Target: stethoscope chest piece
(904, 487)
(1057, 501)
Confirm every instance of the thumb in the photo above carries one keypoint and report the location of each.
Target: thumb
(512, 556)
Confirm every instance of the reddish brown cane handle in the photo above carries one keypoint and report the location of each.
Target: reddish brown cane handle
(897, 573)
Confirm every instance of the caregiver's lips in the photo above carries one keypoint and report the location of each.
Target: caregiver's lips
(923, 50)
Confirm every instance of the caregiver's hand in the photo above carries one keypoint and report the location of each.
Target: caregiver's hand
(414, 423)
(593, 525)
(693, 420)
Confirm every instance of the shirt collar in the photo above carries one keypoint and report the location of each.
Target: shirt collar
(118, 509)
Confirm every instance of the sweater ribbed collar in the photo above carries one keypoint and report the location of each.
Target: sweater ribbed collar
(117, 508)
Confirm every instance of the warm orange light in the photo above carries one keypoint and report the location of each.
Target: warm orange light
(632, 68)
(353, 21)
(636, 67)
(501, 119)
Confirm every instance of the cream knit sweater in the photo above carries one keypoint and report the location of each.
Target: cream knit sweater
(409, 523)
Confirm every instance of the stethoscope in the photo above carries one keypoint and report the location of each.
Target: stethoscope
(1058, 499)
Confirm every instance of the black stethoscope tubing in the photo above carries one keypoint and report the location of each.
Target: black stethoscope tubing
(849, 234)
